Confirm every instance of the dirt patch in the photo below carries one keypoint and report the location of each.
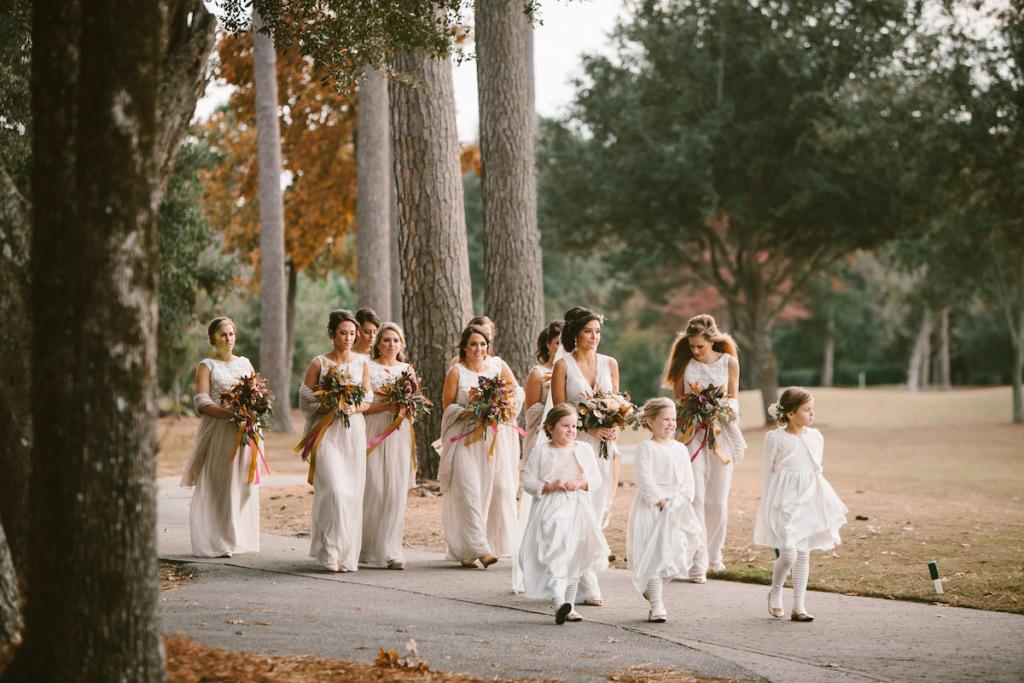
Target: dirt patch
(191, 662)
(173, 575)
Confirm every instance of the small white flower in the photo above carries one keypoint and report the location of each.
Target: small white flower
(774, 411)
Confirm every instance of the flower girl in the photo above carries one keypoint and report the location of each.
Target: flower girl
(663, 532)
(563, 538)
(799, 510)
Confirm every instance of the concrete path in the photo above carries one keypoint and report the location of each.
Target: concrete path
(279, 602)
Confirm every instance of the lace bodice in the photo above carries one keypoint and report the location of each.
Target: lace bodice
(705, 374)
(576, 385)
(382, 375)
(225, 374)
(469, 379)
(785, 451)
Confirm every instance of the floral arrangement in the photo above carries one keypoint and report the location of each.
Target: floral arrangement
(251, 405)
(407, 393)
(491, 404)
(704, 409)
(606, 410)
(336, 390)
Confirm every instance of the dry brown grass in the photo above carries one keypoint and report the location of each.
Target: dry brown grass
(939, 476)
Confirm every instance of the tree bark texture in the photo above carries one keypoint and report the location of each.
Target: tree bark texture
(289, 322)
(394, 254)
(1015, 318)
(16, 377)
(273, 287)
(944, 374)
(754, 316)
(10, 609)
(513, 281)
(95, 76)
(436, 296)
(828, 362)
(373, 206)
(917, 368)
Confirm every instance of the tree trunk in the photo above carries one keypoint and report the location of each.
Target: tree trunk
(531, 79)
(513, 286)
(1018, 367)
(919, 356)
(393, 253)
(436, 298)
(762, 363)
(373, 207)
(273, 294)
(93, 616)
(16, 378)
(10, 609)
(944, 376)
(828, 363)
(289, 319)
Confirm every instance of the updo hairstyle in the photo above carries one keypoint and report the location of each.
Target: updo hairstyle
(381, 329)
(576, 318)
(336, 318)
(790, 401)
(367, 315)
(215, 326)
(554, 329)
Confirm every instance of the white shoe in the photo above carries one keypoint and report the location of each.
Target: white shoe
(659, 616)
(718, 567)
(699, 578)
(573, 615)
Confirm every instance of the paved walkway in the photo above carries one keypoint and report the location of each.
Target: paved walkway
(279, 602)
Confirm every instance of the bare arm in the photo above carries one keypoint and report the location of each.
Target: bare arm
(558, 377)
(451, 388)
(534, 385)
(734, 377)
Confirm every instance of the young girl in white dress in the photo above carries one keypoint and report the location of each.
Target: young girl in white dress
(339, 468)
(224, 517)
(583, 372)
(390, 468)
(479, 484)
(663, 531)
(799, 510)
(702, 355)
(563, 539)
(536, 406)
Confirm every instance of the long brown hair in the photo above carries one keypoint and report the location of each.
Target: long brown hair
(554, 329)
(702, 325)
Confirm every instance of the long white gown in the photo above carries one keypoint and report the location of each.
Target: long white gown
(712, 477)
(224, 516)
(337, 524)
(576, 388)
(478, 513)
(563, 539)
(661, 543)
(535, 415)
(799, 509)
(389, 475)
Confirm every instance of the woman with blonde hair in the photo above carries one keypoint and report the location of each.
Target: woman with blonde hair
(390, 468)
(703, 356)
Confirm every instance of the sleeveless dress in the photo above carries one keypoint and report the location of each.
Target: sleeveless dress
(563, 539)
(337, 523)
(799, 508)
(224, 516)
(389, 475)
(712, 477)
(475, 520)
(535, 415)
(661, 543)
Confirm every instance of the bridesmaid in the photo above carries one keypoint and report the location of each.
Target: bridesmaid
(537, 404)
(703, 355)
(368, 323)
(224, 517)
(581, 372)
(389, 467)
(341, 458)
(479, 513)
(489, 327)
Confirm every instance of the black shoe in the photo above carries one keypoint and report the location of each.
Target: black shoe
(562, 613)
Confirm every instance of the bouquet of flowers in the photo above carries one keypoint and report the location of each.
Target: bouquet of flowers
(704, 409)
(337, 389)
(606, 410)
(491, 404)
(407, 393)
(251, 405)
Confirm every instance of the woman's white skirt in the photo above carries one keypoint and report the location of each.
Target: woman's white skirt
(337, 524)
(799, 510)
(389, 475)
(661, 543)
(561, 542)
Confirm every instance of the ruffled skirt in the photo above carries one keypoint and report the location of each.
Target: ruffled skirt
(662, 543)
(799, 510)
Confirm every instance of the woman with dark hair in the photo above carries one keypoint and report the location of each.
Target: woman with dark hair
(339, 468)
(369, 323)
(702, 356)
(224, 517)
(584, 372)
(536, 404)
(479, 482)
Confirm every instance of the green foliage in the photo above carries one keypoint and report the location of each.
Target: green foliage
(190, 265)
(474, 204)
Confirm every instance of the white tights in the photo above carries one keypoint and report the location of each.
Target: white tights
(570, 594)
(654, 595)
(799, 561)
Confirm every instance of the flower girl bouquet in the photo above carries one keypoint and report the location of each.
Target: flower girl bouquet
(704, 409)
(251, 405)
(606, 411)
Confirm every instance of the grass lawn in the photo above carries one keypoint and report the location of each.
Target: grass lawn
(938, 476)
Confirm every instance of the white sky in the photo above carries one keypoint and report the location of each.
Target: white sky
(570, 28)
